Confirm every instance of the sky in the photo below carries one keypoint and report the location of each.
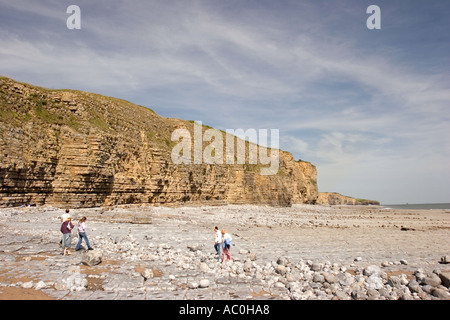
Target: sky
(370, 108)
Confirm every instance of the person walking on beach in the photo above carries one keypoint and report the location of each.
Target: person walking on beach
(217, 241)
(66, 229)
(82, 234)
(64, 217)
(226, 246)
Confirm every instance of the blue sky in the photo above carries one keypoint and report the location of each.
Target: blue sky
(370, 108)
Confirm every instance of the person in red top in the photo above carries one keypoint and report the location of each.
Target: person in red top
(66, 229)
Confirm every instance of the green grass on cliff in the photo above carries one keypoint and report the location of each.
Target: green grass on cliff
(90, 114)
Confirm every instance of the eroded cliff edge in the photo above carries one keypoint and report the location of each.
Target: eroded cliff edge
(334, 198)
(77, 149)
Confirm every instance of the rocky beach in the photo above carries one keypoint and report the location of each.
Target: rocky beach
(302, 252)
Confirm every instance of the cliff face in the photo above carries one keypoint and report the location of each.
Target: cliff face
(78, 149)
(333, 198)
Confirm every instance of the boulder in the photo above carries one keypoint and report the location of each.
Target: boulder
(316, 267)
(341, 295)
(292, 276)
(345, 278)
(280, 269)
(445, 278)
(248, 265)
(373, 294)
(440, 294)
(420, 275)
(193, 247)
(395, 282)
(432, 280)
(319, 278)
(330, 278)
(282, 261)
(414, 286)
(359, 295)
(92, 258)
(372, 270)
(374, 282)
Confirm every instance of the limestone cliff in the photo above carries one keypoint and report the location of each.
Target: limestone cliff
(333, 198)
(77, 149)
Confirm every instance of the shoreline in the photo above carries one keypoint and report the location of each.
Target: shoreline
(175, 244)
(418, 206)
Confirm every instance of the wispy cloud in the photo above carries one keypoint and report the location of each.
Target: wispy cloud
(345, 98)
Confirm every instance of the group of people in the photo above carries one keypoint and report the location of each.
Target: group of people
(222, 241)
(66, 230)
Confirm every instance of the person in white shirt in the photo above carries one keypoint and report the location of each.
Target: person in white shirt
(217, 241)
(65, 216)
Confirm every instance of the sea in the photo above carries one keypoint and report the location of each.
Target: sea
(418, 206)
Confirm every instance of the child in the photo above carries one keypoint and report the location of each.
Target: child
(226, 246)
(82, 234)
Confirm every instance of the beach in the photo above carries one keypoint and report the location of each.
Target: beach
(302, 252)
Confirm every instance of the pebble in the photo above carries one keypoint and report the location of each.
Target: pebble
(204, 283)
(147, 274)
(193, 285)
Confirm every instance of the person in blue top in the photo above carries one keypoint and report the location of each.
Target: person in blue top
(226, 247)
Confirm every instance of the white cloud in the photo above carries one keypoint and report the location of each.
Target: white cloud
(294, 145)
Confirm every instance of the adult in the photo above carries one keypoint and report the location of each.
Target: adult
(217, 241)
(66, 229)
(64, 217)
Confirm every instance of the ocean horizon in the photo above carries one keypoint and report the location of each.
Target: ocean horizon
(418, 206)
